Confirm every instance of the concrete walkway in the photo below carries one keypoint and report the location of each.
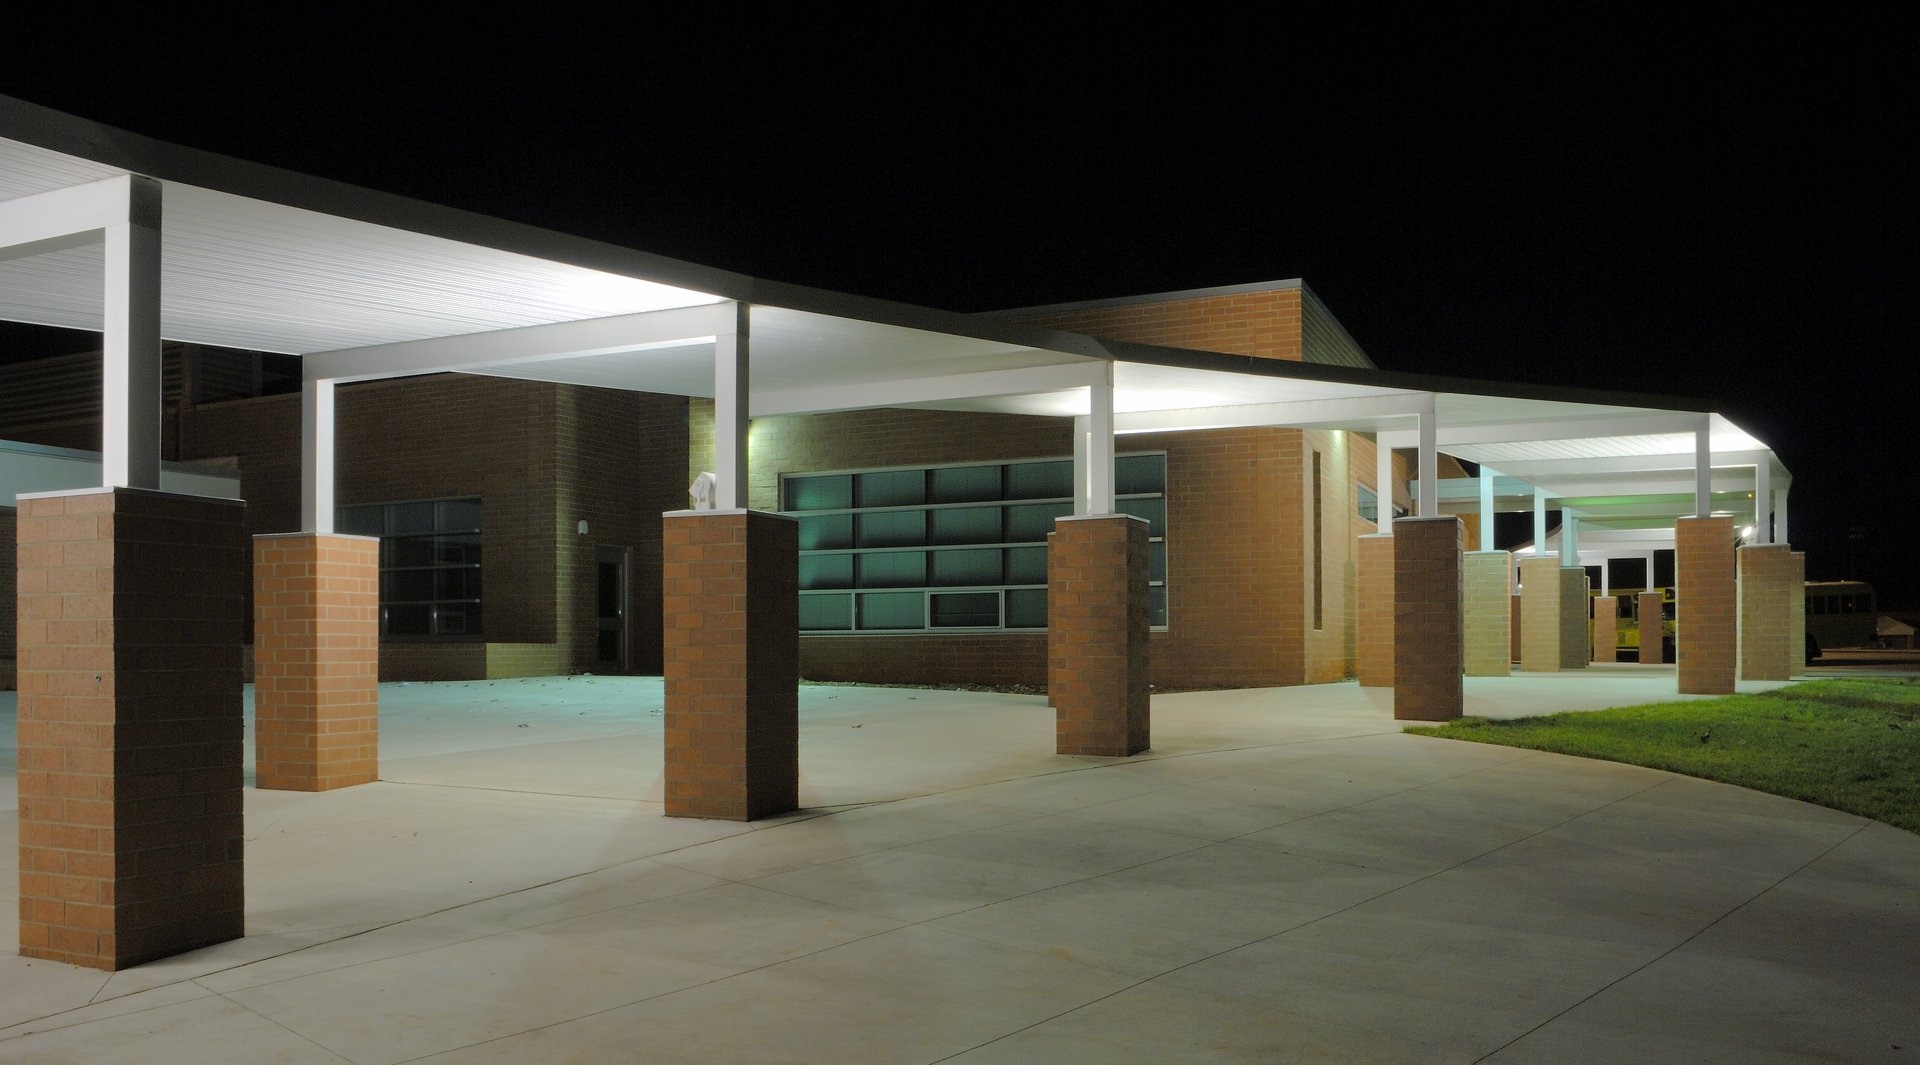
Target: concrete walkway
(1285, 877)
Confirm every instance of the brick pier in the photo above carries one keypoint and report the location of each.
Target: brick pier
(1097, 635)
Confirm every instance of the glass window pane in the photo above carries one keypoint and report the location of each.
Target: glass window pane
(407, 586)
(1157, 607)
(832, 492)
(826, 531)
(973, 525)
(1032, 523)
(893, 488)
(1040, 480)
(461, 619)
(1154, 510)
(831, 613)
(964, 610)
(404, 518)
(1365, 503)
(458, 515)
(1026, 565)
(1026, 608)
(965, 484)
(900, 528)
(1139, 473)
(893, 610)
(458, 550)
(456, 584)
(409, 551)
(826, 571)
(1157, 561)
(361, 521)
(966, 567)
(408, 620)
(893, 569)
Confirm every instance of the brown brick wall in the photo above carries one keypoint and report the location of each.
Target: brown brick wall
(1704, 596)
(1262, 324)
(1373, 655)
(1097, 655)
(732, 614)
(1576, 645)
(1486, 612)
(1652, 629)
(316, 643)
(130, 725)
(1797, 614)
(1428, 649)
(1766, 593)
(1606, 631)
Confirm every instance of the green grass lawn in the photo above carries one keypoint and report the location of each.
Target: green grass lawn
(1853, 745)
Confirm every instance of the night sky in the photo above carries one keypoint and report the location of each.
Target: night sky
(1717, 203)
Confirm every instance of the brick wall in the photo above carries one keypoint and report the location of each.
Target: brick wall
(1653, 629)
(130, 725)
(1704, 601)
(1373, 655)
(732, 717)
(1540, 614)
(1766, 593)
(1428, 651)
(316, 643)
(1797, 614)
(1576, 642)
(1262, 324)
(1486, 612)
(1605, 627)
(1097, 653)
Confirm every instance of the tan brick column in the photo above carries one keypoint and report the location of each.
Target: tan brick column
(1606, 627)
(1428, 644)
(1097, 635)
(731, 615)
(1487, 609)
(1652, 629)
(1373, 588)
(1540, 614)
(1797, 637)
(316, 661)
(132, 606)
(1704, 600)
(1767, 592)
(1576, 645)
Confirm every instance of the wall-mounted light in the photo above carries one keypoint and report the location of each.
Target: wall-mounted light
(583, 526)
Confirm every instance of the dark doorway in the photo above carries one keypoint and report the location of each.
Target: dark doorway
(610, 583)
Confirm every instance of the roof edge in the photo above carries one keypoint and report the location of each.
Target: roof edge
(1152, 297)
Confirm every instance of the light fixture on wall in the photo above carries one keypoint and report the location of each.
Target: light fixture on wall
(583, 526)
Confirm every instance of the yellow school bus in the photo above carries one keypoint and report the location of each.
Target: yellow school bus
(1627, 630)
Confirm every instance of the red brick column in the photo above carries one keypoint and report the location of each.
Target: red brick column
(1428, 644)
(731, 614)
(1373, 588)
(1653, 630)
(1097, 635)
(1704, 594)
(132, 606)
(316, 655)
(1767, 592)
(1606, 628)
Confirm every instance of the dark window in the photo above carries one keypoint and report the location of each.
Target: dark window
(430, 573)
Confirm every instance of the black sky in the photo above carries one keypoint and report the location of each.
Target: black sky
(1713, 202)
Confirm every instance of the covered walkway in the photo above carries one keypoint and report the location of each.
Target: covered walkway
(1285, 875)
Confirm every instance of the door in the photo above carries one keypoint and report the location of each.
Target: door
(610, 582)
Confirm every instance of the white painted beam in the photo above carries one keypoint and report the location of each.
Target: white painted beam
(63, 218)
(1300, 412)
(316, 457)
(1015, 382)
(1679, 461)
(130, 341)
(534, 343)
(1575, 429)
(731, 382)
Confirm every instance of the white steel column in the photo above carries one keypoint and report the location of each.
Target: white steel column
(1763, 501)
(1429, 506)
(130, 344)
(1080, 496)
(1702, 470)
(1383, 485)
(1606, 576)
(1539, 523)
(316, 457)
(730, 387)
(1486, 507)
(1569, 539)
(1780, 515)
(1649, 557)
(1093, 449)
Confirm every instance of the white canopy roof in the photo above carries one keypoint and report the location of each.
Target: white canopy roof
(364, 284)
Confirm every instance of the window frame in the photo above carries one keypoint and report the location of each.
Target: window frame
(470, 540)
